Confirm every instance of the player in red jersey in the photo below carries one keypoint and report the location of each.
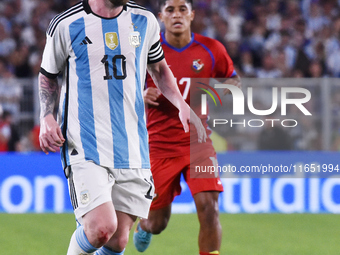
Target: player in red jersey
(189, 56)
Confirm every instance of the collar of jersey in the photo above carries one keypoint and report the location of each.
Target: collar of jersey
(178, 49)
(88, 10)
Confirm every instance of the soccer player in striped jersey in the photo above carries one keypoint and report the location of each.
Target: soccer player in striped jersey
(103, 48)
(171, 152)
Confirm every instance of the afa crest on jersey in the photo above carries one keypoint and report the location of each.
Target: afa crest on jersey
(197, 65)
(111, 40)
(84, 197)
(135, 39)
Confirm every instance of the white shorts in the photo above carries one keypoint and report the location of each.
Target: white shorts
(90, 185)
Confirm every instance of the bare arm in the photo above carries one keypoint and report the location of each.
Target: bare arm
(48, 94)
(165, 81)
(50, 136)
(235, 80)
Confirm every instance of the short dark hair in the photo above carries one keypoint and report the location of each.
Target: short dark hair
(162, 2)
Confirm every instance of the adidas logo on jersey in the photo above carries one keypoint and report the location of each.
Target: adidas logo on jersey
(74, 152)
(86, 41)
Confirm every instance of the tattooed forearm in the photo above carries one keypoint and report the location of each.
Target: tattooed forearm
(48, 94)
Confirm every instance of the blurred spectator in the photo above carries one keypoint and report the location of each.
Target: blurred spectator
(5, 130)
(30, 141)
(316, 69)
(281, 63)
(7, 43)
(288, 48)
(269, 68)
(44, 12)
(13, 143)
(301, 59)
(222, 31)
(301, 28)
(234, 53)
(212, 25)
(315, 19)
(259, 32)
(316, 52)
(19, 62)
(329, 38)
(273, 16)
(292, 11)
(330, 9)
(333, 64)
(199, 24)
(7, 15)
(247, 64)
(25, 10)
(10, 90)
(32, 34)
(235, 19)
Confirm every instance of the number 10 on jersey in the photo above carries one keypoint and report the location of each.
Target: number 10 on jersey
(118, 67)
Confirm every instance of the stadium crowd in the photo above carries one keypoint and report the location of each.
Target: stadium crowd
(264, 38)
(276, 38)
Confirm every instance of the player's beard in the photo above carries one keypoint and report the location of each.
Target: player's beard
(117, 3)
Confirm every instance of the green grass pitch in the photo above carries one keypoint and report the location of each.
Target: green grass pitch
(243, 234)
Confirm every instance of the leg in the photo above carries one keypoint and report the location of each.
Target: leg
(118, 242)
(98, 227)
(210, 232)
(90, 192)
(157, 220)
(166, 174)
(205, 190)
(154, 224)
(100, 224)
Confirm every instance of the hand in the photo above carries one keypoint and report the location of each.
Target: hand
(236, 81)
(50, 136)
(151, 95)
(187, 115)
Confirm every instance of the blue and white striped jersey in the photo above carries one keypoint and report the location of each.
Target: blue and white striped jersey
(101, 110)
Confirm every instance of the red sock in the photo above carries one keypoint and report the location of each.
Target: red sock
(209, 253)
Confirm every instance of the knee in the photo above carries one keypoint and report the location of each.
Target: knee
(155, 226)
(104, 233)
(120, 242)
(210, 208)
(159, 226)
(208, 212)
(209, 218)
(101, 233)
